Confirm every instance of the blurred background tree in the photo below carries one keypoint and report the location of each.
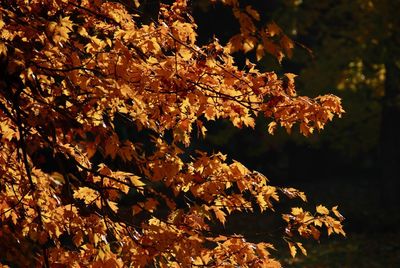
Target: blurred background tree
(351, 49)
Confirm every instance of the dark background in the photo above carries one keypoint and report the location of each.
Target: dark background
(354, 162)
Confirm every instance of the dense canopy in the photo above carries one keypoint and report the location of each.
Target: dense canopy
(97, 110)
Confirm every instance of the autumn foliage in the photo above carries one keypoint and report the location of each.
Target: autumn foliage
(97, 110)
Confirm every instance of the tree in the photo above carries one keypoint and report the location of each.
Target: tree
(358, 43)
(98, 107)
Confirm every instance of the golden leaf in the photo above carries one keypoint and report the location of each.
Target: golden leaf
(135, 180)
(185, 53)
(87, 194)
(248, 121)
(337, 213)
(137, 3)
(261, 201)
(3, 49)
(322, 210)
(292, 248)
(249, 44)
(272, 127)
(220, 215)
(113, 206)
(303, 250)
(297, 211)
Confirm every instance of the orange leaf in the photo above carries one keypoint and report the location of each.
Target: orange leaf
(220, 215)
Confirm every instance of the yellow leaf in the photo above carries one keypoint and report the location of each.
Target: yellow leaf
(303, 250)
(7, 131)
(14, 217)
(338, 228)
(136, 181)
(272, 127)
(152, 60)
(185, 53)
(292, 248)
(302, 196)
(322, 210)
(317, 222)
(337, 213)
(109, 42)
(292, 193)
(66, 22)
(137, 3)
(61, 30)
(261, 202)
(210, 62)
(290, 77)
(248, 121)
(113, 206)
(82, 31)
(87, 194)
(297, 211)
(249, 44)
(197, 261)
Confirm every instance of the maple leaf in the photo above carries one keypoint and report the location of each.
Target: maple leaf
(303, 250)
(292, 193)
(292, 248)
(322, 210)
(87, 194)
(221, 216)
(337, 213)
(136, 181)
(113, 206)
(297, 211)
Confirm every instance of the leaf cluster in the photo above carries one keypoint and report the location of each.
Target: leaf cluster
(79, 190)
